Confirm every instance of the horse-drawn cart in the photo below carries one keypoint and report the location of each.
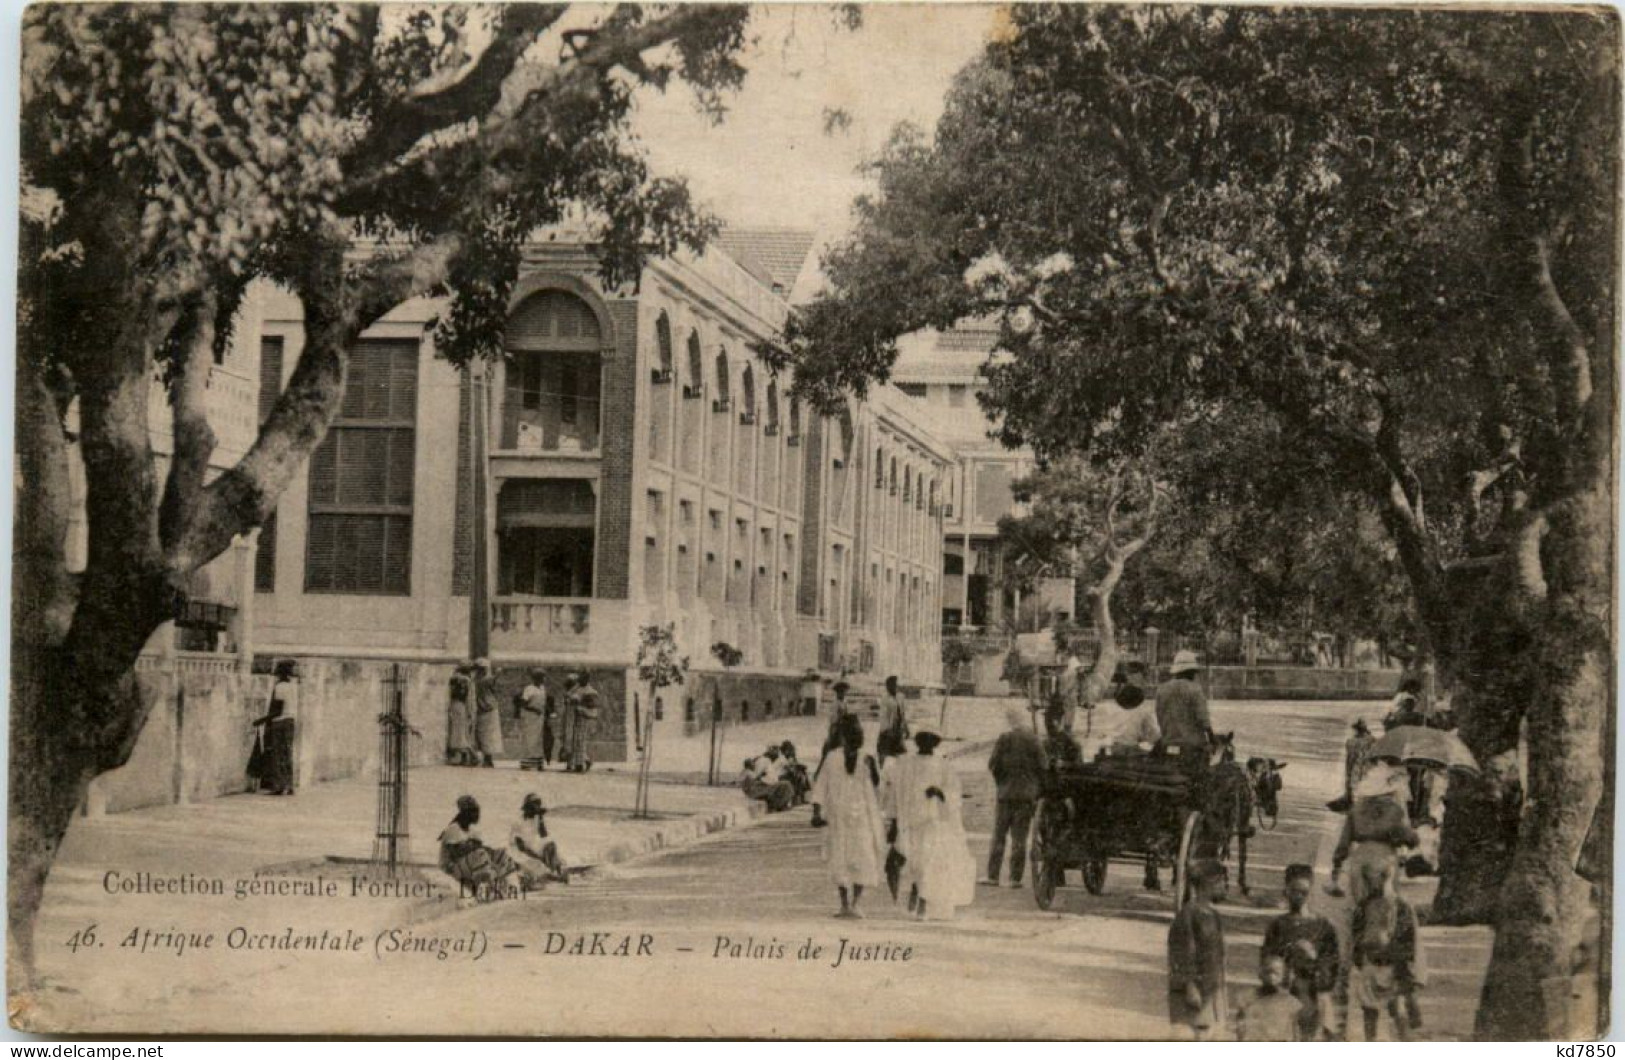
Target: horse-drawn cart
(1155, 808)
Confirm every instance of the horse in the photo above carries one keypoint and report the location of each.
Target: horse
(1235, 794)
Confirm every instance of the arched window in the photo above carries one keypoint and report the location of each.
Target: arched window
(932, 500)
(663, 366)
(908, 484)
(695, 387)
(894, 476)
(880, 469)
(720, 404)
(772, 408)
(747, 397)
(795, 421)
(551, 399)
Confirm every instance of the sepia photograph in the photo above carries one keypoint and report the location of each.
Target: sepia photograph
(884, 521)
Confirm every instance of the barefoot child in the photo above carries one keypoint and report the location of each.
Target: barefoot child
(1271, 1014)
(1196, 996)
(1387, 969)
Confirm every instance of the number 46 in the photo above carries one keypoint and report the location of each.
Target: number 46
(85, 936)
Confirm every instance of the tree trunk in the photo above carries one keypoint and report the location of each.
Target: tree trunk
(1546, 907)
(47, 781)
(1493, 679)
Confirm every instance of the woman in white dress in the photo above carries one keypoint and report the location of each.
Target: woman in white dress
(943, 871)
(845, 801)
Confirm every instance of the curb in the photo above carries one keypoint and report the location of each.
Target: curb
(973, 747)
(682, 832)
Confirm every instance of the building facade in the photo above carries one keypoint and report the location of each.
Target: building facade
(942, 372)
(642, 466)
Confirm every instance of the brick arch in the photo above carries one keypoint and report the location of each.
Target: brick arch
(539, 282)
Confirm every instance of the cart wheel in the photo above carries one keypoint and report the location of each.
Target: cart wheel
(1046, 866)
(1094, 875)
(1182, 866)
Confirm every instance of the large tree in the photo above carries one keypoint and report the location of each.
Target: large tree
(1088, 523)
(1392, 232)
(171, 155)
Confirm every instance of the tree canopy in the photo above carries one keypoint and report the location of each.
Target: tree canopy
(1388, 236)
(355, 154)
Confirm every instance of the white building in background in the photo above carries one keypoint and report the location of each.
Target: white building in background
(943, 372)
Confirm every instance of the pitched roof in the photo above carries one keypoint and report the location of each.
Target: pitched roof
(775, 256)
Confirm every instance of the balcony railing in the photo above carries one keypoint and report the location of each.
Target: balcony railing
(554, 624)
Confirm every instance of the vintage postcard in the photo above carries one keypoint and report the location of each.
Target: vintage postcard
(1047, 521)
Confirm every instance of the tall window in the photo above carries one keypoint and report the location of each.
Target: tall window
(360, 537)
(659, 399)
(270, 389)
(722, 381)
(747, 396)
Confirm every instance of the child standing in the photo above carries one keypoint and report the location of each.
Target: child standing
(1307, 945)
(1196, 996)
(1387, 968)
(1272, 1014)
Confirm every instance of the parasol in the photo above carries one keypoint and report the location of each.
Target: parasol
(1415, 743)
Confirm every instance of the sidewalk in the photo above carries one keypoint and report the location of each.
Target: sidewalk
(326, 832)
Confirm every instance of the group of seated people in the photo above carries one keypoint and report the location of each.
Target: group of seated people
(527, 863)
(776, 778)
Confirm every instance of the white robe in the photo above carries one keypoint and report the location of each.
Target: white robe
(855, 838)
(930, 834)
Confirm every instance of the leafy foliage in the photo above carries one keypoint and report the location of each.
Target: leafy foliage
(726, 654)
(660, 661)
(245, 128)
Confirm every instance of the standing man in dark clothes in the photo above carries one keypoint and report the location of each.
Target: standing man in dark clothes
(893, 723)
(1308, 945)
(1182, 713)
(1018, 768)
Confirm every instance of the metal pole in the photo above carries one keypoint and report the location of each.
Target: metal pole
(479, 606)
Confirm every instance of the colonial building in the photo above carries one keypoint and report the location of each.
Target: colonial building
(942, 372)
(641, 465)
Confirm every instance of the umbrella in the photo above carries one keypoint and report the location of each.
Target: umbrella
(1415, 743)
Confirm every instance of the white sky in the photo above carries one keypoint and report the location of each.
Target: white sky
(770, 162)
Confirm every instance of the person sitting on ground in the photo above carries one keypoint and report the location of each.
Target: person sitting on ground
(794, 773)
(536, 855)
(765, 783)
(1271, 1014)
(464, 856)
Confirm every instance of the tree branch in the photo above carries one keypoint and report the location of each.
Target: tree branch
(337, 310)
(194, 439)
(530, 86)
(456, 96)
(1573, 371)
